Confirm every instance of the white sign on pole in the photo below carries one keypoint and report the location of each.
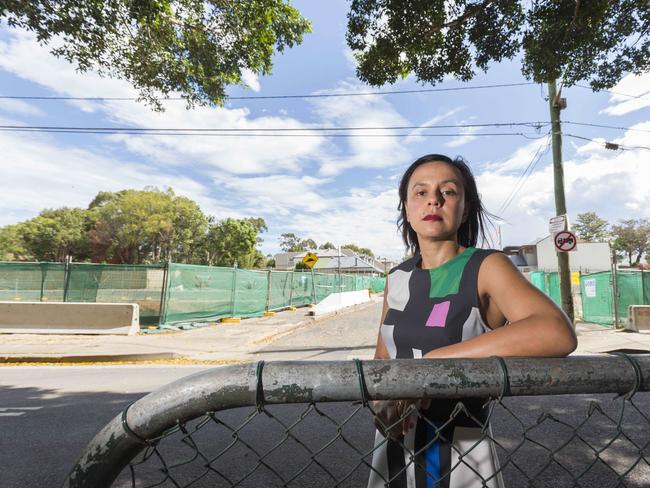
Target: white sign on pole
(590, 287)
(558, 224)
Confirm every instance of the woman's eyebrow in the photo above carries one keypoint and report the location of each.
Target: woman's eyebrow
(424, 183)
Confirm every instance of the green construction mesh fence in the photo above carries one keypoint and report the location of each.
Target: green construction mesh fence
(32, 282)
(549, 283)
(198, 293)
(598, 295)
(597, 304)
(250, 293)
(118, 283)
(192, 293)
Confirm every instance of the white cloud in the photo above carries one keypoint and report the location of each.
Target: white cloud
(363, 216)
(38, 174)
(635, 85)
(251, 79)
(614, 184)
(363, 111)
(19, 107)
(235, 154)
(468, 136)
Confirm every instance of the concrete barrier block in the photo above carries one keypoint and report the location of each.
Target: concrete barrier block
(638, 317)
(69, 318)
(337, 301)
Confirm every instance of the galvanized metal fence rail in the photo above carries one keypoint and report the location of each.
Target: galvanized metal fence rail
(578, 421)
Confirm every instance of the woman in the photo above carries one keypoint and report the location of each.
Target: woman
(451, 300)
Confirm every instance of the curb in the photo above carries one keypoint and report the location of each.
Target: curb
(96, 358)
(311, 319)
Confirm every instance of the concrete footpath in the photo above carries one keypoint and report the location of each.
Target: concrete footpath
(220, 343)
(224, 343)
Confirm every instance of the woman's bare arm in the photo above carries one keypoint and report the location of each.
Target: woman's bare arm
(380, 351)
(537, 326)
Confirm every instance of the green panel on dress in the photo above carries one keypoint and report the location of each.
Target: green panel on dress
(446, 278)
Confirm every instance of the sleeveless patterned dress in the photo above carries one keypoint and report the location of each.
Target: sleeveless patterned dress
(429, 309)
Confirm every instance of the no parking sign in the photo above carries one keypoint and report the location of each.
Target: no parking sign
(565, 241)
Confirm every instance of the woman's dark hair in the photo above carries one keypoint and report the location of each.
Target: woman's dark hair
(477, 216)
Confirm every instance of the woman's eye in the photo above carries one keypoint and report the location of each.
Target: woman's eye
(448, 192)
(420, 193)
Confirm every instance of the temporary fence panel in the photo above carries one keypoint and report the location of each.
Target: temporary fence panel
(598, 295)
(118, 283)
(378, 284)
(198, 293)
(325, 284)
(630, 292)
(251, 288)
(597, 298)
(493, 422)
(302, 288)
(549, 283)
(279, 289)
(32, 282)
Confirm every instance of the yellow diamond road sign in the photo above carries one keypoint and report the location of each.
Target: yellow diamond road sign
(310, 259)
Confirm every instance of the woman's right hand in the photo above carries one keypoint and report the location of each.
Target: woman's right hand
(389, 412)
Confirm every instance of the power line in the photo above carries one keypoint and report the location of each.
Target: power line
(534, 125)
(525, 174)
(614, 146)
(586, 124)
(275, 97)
(640, 97)
(252, 134)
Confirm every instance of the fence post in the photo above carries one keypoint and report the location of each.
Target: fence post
(614, 275)
(291, 290)
(234, 290)
(268, 291)
(66, 277)
(163, 294)
(44, 267)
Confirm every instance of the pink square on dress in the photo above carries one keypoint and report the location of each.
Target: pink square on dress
(438, 315)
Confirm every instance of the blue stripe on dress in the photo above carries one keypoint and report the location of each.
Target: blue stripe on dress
(432, 459)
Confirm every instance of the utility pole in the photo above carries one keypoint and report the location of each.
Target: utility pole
(556, 104)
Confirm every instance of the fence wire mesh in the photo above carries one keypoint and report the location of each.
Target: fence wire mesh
(596, 439)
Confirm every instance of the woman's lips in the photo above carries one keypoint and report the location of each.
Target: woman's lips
(435, 218)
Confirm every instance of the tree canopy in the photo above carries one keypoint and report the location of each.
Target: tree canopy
(591, 228)
(194, 47)
(632, 239)
(134, 227)
(575, 40)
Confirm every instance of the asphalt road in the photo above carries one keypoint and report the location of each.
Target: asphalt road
(48, 415)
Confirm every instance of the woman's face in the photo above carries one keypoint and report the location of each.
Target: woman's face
(435, 201)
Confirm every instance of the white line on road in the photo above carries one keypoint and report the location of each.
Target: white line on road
(11, 411)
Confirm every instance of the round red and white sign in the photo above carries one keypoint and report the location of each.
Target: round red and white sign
(565, 241)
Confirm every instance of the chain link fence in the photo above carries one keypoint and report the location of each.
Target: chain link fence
(542, 422)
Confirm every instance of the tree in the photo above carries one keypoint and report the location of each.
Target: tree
(632, 236)
(597, 41)
(290, 242)
(591, 228)
(12, 245)
(363, 251)
(231, 241)
(55, 234)
(327, 245)
(151, 225)
(193, 47)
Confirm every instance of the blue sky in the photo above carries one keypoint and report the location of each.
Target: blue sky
(329, 189)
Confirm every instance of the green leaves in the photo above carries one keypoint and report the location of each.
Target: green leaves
(192, 47)
(598, 41)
